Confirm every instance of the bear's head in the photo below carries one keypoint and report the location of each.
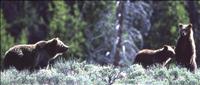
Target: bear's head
(185, 30)
(57, 45)
(168, 51)
(53, 46)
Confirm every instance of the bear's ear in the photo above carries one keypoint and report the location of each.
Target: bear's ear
(190, 25)
(57, 38)
(53, 41)
(173, 47)
(180, 25)
(165, 47)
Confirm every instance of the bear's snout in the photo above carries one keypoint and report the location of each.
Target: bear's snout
(183, 33)
(65, 48)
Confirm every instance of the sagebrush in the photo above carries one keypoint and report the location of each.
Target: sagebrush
(81, 73)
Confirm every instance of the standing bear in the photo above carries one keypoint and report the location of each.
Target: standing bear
(33, 56)
(185, 47)
(147, 57)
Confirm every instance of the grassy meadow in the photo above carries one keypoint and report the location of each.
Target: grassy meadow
(80, 73)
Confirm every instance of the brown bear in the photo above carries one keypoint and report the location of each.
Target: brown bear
(185, 48)
(147, 57)
(33, 56)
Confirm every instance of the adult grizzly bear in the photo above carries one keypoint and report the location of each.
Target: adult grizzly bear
(33, 56)
(185, 47)
(147, 57)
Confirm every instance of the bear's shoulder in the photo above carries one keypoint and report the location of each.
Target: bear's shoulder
(40, 44)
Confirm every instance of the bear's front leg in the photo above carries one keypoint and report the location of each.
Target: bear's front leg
(166, 62)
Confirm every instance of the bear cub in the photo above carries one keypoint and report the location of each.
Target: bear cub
(147, 57)
(185, 48)
(33, 56)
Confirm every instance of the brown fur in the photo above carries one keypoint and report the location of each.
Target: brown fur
(147, 57)
(33, 56)
(185, 48)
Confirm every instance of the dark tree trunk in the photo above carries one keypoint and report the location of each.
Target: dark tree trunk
(119, 34)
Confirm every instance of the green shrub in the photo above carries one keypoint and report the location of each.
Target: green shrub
(165, 19)
(6, 40)
(68, 27)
